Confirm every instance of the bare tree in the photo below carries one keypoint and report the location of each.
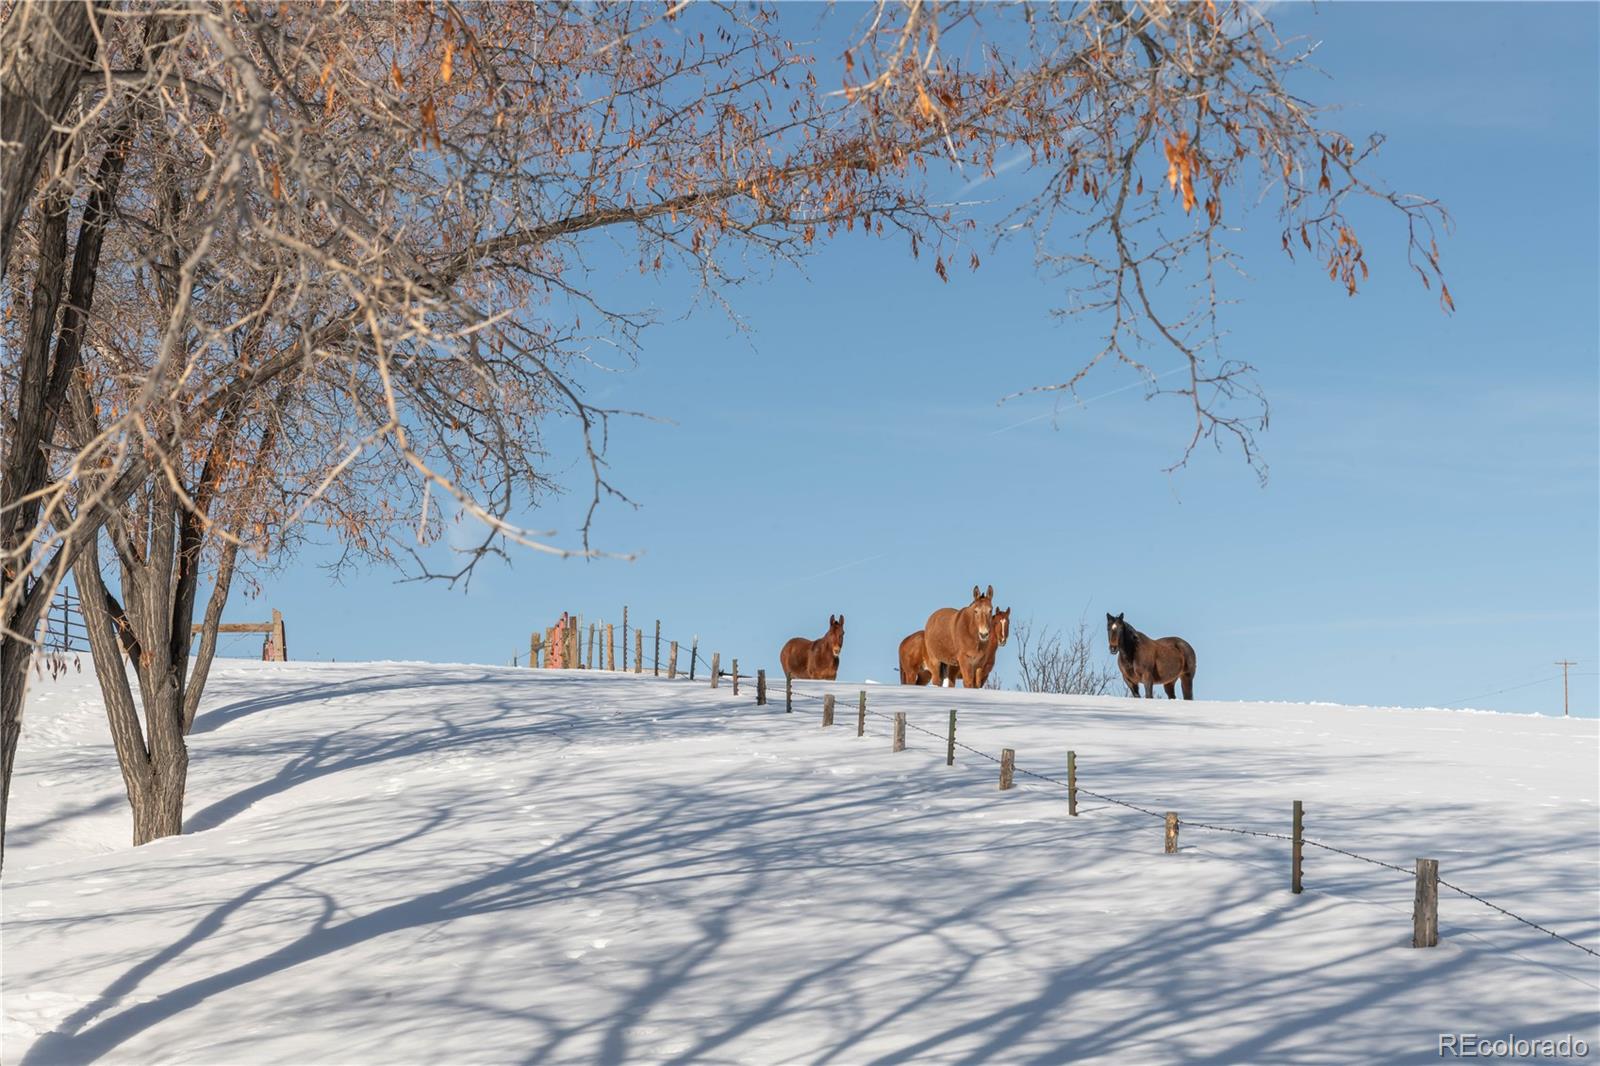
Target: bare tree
(1066, 663)
(356, 236)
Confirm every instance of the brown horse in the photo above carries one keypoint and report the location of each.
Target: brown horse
(914, 669)
(956, 640)
(816, 660)
(1150, 662)
(1002, 633)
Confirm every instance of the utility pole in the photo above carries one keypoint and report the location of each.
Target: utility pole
(1564, 664)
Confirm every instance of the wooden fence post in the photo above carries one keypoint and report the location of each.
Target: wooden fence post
(788, 694)
(950, 745)
(590, 659)
(1425, 912)
(611, 646)
(736, 677)
(899, 731)
(625, 639)
(658, 647)
(280, 642)
(861, 715)
(694, 653)
(1008, 765)
(638, 651)
(1172, 832)
(1072, 783)
(533, 649)
(716, 666)
(672, 662)
(574, 645)
(761, 688)
(1299, 849)
(827, 710)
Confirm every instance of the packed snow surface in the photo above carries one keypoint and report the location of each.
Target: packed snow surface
(408, 862)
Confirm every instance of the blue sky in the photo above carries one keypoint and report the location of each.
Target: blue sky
(1428, 534)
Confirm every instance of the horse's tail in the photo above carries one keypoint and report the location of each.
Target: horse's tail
(1188, 671)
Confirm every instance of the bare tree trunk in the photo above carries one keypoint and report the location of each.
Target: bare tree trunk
(47, 49)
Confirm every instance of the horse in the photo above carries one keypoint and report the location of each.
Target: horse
(1150, 662)
(1002, 633)
(914, 669)
(815, 660)
(959, 639)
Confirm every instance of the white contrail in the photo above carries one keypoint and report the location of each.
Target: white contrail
(1092, 399)
(833, 570)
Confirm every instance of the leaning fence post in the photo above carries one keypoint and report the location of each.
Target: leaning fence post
(1172, 832)
(716, 666)
(899, 731)
(638, 651)
(736, 677)
(1008, 765)
(611, 646)
(672, 661)
(1425, 912)
(658, 648)
(1072, 783)
(861, 716)
(694, 653)
(950, 745)
(1299, 850)
(788, 694)
(827, 710)
(761, 688)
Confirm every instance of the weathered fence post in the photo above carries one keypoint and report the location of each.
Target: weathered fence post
(1072, 783)
(1172, 832)
(899, 731)
(533, 649)
(658, 648)
(827, 710)
(1299, 850)
(280, 639)
(638, 651)
(788, 694)
(1425, 912)
(736, 677)
(1008, 765)
(950, 744)
(761, 688)
(694, 653)
(590, 660)
(716, 666)
(672, 661)
(611, 646)
(624, 639)
(573, 646)
(861, 716)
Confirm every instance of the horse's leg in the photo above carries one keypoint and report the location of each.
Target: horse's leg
(1149, 690)
(1188, 686)
(1172, 689)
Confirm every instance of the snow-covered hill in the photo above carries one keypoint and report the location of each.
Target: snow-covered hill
(405, 862)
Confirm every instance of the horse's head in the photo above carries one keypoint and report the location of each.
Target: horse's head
(1114, 628)
(1002, 626)
(982, 607)
(835, 637)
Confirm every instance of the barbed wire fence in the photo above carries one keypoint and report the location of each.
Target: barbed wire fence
(763, 698)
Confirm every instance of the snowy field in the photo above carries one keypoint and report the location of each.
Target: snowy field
(407, 863)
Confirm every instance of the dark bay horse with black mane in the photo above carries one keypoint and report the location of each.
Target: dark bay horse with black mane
(815, 660)
(1150, 661)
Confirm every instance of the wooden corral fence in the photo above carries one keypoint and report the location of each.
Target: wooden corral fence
(274, 649)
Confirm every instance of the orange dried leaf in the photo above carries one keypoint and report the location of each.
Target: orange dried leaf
(447, 65)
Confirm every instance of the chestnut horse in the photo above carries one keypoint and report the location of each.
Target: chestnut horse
(1002, 633)
(816, 660)
(958, 640)
(1150, 662)
(914, 669)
